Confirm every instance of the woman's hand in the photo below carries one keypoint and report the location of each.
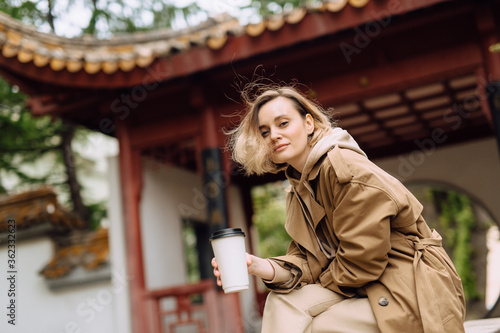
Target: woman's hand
(260, 267)
(256, 266)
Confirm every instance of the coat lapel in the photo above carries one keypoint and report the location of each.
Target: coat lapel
(301, 215)
(314, 209)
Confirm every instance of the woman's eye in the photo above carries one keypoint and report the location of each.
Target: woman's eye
(283, 123)
(264, 133)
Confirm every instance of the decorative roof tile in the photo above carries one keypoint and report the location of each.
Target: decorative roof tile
(88, 249)
(124, 52)
(36, 207)
(358, 3)
(335, 6)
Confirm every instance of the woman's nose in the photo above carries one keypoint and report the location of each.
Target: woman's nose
(275, 134)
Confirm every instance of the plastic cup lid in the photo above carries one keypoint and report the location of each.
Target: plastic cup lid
(227, 233)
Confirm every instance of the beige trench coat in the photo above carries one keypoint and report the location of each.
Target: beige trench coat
(385, 249)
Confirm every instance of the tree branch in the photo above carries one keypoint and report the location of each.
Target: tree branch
(69, 163)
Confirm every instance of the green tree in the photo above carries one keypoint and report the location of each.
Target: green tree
(464, 238)
(39, 151)
(27, 12)
(457, 220)
(106, 16)
(118, 16)
(24, 140)
(269, 219)
(265, 8)
(27, 141)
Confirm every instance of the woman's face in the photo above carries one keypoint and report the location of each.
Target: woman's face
(285, 132)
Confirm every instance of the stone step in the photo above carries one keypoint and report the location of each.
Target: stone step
(491, 325)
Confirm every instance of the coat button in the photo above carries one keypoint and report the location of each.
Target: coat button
(383, 301)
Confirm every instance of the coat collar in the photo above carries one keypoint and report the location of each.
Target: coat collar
(303, 211)
(334, 137)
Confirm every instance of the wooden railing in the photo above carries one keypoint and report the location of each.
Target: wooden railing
(199, 306)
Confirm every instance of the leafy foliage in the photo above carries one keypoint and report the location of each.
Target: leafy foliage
(24, 140)
(117, 16)
(265, 8)
(191, 254)
(457, 221)
(107, 17)
(32, 150)
(269, 219)
(25, 11)
(97, 212)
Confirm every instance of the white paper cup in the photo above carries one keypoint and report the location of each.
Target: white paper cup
(229, 249)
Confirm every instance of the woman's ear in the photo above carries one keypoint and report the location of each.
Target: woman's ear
(309, 124)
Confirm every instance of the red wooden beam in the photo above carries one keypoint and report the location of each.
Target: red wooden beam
(172, 130)
(488, 35)
(209, 129)
(316, 25)
(39, 107)
(433, 66)
(482, 81)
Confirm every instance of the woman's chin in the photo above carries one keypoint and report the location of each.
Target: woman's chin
(278, 161)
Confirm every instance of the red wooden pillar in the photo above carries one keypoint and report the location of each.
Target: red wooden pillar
(216, 181)
(489, 77)
(489, 36)
(214, 177)
(131, 185)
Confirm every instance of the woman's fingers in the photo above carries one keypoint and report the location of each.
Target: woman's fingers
(216, 271)
(249, 259)
(216, 267)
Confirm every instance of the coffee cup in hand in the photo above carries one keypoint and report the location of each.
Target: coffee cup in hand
(229, 249)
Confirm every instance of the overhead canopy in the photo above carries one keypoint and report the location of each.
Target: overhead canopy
(389, 76)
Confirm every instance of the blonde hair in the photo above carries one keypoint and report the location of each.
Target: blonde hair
(246, 143)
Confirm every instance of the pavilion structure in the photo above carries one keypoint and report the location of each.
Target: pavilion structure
(403, 77)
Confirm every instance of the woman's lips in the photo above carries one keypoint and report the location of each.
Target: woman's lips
(280, 147)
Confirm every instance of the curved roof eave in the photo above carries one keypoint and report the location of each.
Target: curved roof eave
(125, 60)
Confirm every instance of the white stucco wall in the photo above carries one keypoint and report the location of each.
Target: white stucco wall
(99, 307)
(81, 309)
(118, 257)
(170, 194)
(165, 188)
(473, 167)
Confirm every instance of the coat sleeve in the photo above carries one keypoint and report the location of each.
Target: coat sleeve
(291, 271)
(362, 224)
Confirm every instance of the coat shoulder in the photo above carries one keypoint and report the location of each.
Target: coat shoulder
(366, 173)
(352, 166)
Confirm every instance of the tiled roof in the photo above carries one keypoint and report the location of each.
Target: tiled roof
(36, 207)
(88, 249)
(128, 51)
(81, 247)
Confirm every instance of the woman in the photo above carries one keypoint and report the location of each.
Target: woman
(362, 258)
